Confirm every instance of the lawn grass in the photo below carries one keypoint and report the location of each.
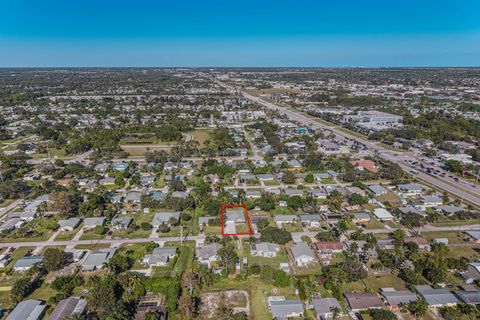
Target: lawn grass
(68, 235)
(373, 224)
(390, 197)
(452, 236)
(258, 291)
(200, 135)
(271, 183)
(134, 251)
(6, 203)
(184, 261)
(273, 262)
(445, 222)
(94, 246)
(213, 230)
(42, 228)
(466, 251)
(293, 227)
(91, 235)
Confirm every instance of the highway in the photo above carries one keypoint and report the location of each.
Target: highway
(457, 190)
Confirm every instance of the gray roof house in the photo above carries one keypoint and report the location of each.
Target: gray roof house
(410, 189)
(362, 301)
(302, 254)
(253, 194)
(179, 194)
(133, 197)
(107, 180)
(26, 262)
(158, 195)
(90, 223)
(474, 235)
(208, 253)
(120, 166)
(293, 192)
(312, 220)
(121, 222)
(27, 310)
(394, 298)
(160, 256)
(284, 309)
(436, 297)
(68, 307)
(265, 177)
(69, 224)
(265, 249)
(471, 297)
(235, 215)
(11, 224)
(449, 209)
(164, 218)
(205, 220)
(325, 306)
(317, 193)
(96, 259)
(284, 218)
(101, 167)
(377, 190)
(147, 179)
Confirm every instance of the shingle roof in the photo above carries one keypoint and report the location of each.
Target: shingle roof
(469, 297)
(394, 298)
(435, 297)
(362, 301)
(67, 307)
(27, 310)
(302, 249)
(281, 309)
(324, 306)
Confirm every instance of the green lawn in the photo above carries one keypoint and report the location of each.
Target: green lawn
(390, 197)
(259, 292)
(41, 230)
(213, 230)
(465, 251)
(185, 259)
(91, 235)
(271, 183)
(68, 235)
(293, 227)
(452, 236)
(273, 262)
(94, 246)
(373, 224)
(6, 203)
(445, 222)
(200, 135)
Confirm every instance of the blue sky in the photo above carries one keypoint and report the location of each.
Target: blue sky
(240, 33)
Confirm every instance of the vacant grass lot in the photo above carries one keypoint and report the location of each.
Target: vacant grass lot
(453, 237)
(259, 292)
(200, 135)
(375, 283)
(68, 235)
(445, 222)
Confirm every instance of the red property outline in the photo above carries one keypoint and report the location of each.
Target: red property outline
(222, 214)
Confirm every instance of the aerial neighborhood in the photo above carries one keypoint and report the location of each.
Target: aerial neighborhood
(239, 194)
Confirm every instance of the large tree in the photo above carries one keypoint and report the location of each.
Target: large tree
(54, 259)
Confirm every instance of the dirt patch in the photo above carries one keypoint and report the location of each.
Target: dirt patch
(237, 300)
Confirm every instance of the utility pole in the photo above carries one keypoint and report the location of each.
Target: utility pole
(478, 174)
(181, 235)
